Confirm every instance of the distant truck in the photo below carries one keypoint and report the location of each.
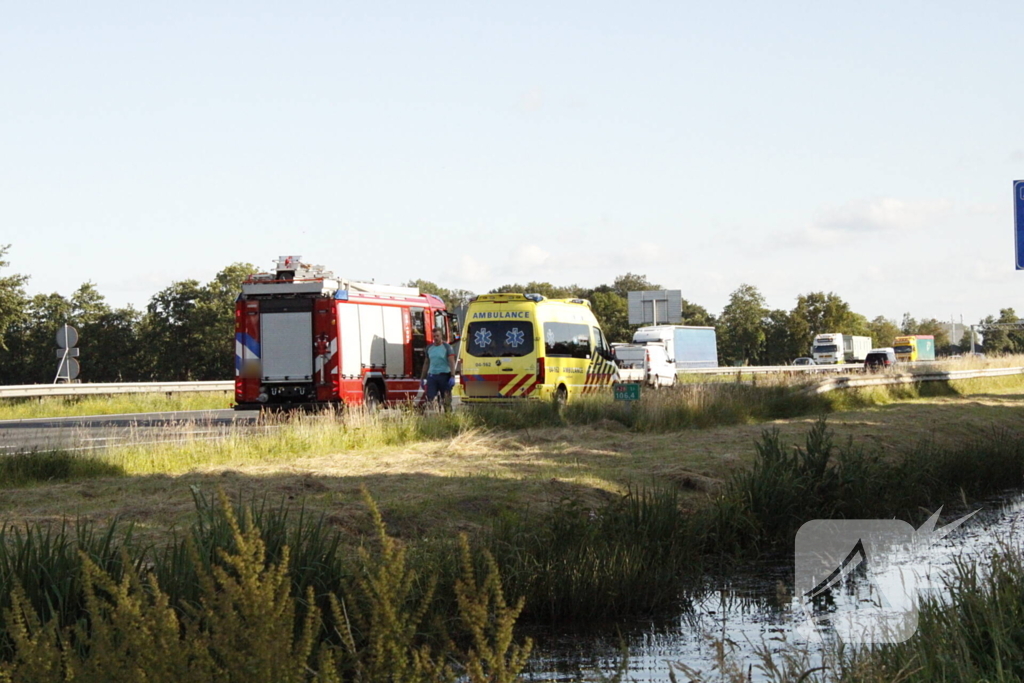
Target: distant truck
(687, 346)
(914, 347)
(829, 349)
(644, 364)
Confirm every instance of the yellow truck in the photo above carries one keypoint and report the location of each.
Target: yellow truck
(914, 347)
(525, 346)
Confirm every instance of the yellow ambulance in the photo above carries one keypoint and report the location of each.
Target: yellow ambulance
(525, 346)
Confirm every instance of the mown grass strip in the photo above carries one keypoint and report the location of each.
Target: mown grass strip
(115, 404)
(288, 437)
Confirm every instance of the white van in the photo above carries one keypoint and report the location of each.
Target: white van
(646, 363)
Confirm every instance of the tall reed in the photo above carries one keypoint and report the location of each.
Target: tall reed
(246, 625)
(760, 509)
(576, 563)
(975, 634)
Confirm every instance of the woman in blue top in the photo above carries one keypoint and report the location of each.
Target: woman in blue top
(439, 371)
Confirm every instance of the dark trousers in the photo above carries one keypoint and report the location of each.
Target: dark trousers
(438, 384)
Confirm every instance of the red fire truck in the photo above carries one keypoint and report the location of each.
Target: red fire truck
(306, 337)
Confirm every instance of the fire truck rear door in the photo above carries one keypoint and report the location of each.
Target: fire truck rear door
(286, 336)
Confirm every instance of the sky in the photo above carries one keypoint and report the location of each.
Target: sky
(863, 148)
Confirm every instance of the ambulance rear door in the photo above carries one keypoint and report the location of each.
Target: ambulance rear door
(499, 351)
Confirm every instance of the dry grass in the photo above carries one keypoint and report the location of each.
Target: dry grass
(798, 377)
(435, 486)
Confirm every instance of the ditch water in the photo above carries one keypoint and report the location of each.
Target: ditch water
(756, 611)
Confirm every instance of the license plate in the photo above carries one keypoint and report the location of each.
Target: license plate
(287, 391)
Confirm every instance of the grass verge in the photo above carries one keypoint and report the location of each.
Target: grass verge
(574, 562)
(116, 404)
(179, 449)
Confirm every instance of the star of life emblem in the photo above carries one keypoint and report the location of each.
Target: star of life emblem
(482, 337)
(515, 337)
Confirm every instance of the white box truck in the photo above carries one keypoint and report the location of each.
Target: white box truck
(687, 346)
(832, 348)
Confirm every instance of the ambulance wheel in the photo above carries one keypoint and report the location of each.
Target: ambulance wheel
(372, 397)
(561, 396)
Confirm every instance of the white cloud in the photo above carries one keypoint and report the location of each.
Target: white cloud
(641, 255)
(472, 271)
(531, 256)
(985, 209)
(992, 271)
(881, 215)
(835, 225)
(532, 100)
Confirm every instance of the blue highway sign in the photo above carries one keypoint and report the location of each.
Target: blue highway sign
(1018, 221)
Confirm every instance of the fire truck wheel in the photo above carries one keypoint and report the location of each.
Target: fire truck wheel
(372, 397)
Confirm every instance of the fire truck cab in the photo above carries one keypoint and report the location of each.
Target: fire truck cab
(304, 337)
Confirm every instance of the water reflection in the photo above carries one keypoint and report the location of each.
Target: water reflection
(754, 614)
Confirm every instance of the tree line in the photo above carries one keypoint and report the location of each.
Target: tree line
(748, 331)
(186, 331)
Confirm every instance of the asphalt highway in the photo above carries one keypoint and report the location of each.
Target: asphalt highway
(99, 431)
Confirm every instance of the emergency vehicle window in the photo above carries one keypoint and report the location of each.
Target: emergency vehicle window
(419, 340)
(599, 339)
(441, 323)
(566, 340)
(419, 324)
(499, 338)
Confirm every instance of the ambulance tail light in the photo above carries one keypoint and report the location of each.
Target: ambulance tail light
(540, 371)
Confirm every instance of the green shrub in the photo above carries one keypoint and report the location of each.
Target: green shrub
(246, 625)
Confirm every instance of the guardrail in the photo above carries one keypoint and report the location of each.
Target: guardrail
(41, 390)
(833, 383)
(768, 369)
